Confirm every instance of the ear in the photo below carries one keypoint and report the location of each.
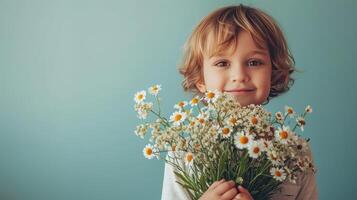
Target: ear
(201, 87)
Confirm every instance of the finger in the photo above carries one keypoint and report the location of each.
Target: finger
(230, 194)
(242, 190)
(224, 187)
(238, 197)
(241, 196)
(215, 184)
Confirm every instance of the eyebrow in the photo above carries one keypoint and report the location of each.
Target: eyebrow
(255, 51)
(261, 52)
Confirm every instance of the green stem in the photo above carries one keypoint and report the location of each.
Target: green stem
(162, 118)
(264, 168)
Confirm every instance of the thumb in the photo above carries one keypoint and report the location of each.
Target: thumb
(241, 196)
(244, 191)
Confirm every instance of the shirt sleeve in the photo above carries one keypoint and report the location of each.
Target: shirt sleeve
(171, 190)
(304, 189)
(308, 188)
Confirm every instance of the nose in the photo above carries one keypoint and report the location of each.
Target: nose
(239, 74)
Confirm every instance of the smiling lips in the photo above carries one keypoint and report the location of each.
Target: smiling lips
(240, 90)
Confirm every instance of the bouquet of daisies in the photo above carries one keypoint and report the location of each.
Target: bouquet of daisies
(217, 138)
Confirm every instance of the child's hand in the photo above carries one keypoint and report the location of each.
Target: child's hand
(243, 194)
(223, 190)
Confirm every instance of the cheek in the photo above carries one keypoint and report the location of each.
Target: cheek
(265, 83)
(213, 80)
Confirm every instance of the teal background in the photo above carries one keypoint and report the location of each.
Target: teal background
(69, 70)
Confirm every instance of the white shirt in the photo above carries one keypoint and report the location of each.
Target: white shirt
(304, 189)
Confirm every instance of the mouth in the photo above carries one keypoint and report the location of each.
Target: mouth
(240, 91)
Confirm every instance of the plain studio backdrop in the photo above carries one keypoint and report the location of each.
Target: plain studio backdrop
(69, 70)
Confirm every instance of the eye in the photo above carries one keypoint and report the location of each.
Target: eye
(254, 63)
(222, 63)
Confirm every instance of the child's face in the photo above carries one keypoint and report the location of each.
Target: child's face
(245, 74)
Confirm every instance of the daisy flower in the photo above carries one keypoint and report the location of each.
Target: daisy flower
(273, 157)
(278, 173)
(225, 132)
(301, 145)
(141, 130)
(189, 158)
(194, 101)
(308, 109)
(192, 123)
(188, 112)
(177, 118)
(140, 96)
(148, 151)
(254, 120)
(301, 122)
(180, 105)
(232, 121)
(143, 109)
(211, 96)
(290, 111)
(255, 149)
(283, 134)
(279, 116)
(267, 144)
(202, 118)
(155, 89)
(242, 140)
(142, 114)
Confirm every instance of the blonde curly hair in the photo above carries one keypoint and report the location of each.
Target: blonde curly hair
(219, 30)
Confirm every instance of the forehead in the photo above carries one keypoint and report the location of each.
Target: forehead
(243, 42)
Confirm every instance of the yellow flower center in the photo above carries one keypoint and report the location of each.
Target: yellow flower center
(201, 120)
(256, 150)
(181, 104)
(210, 95)
(189, 157)
(225, 131)
(277, 173)
(194, 101)
(290, 111)
(243, 140)
(140, 96)
(148, 151)
(192, 123)
(178, 117)
(233, 120)
(254, 120)
(283, 134)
